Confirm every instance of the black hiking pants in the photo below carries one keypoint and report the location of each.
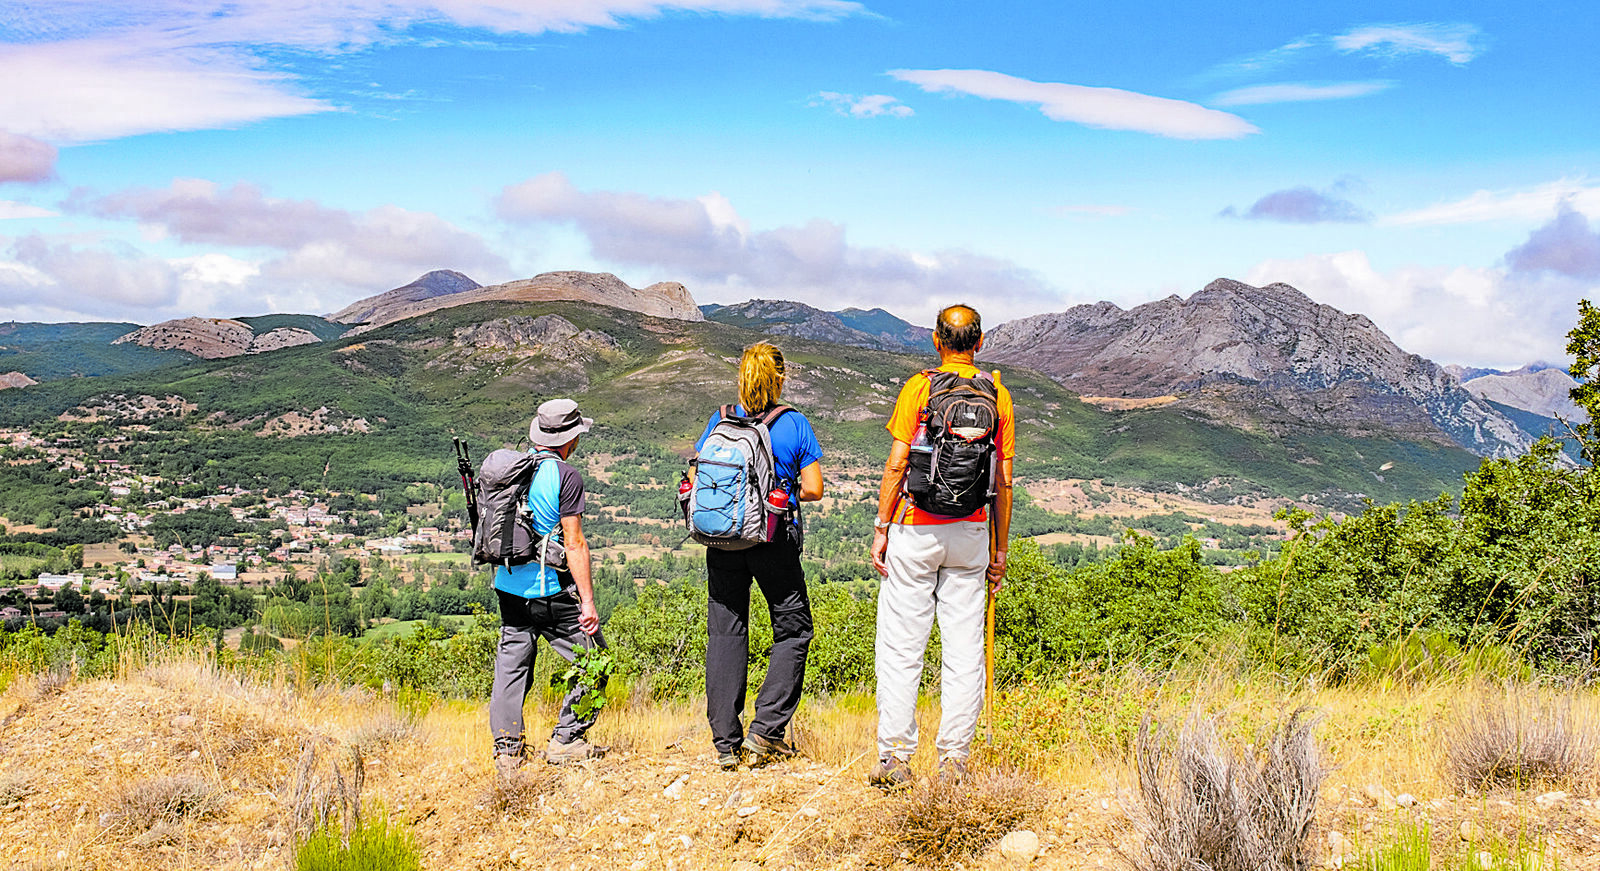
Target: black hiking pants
(775, 566)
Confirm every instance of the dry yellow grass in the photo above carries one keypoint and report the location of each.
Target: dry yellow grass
(74, 751)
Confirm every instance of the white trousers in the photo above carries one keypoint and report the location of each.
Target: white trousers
(934, 570)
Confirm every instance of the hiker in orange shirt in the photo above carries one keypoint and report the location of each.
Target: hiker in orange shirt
(944, 514)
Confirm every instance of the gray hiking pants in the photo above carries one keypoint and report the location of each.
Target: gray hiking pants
(523, 622)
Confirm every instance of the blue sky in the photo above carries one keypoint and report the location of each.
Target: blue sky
(1431, 165)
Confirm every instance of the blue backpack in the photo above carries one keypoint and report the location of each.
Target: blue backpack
(726, 504)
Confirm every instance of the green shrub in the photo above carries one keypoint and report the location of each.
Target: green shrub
(372, 844)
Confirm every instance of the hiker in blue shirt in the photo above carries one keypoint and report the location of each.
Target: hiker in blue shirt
(775, 566)
(538, 600)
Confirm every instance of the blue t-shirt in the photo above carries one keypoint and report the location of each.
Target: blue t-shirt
(794, 446)
(556, 492)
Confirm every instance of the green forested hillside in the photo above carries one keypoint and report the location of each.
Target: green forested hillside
(396, 396)
(47, 352)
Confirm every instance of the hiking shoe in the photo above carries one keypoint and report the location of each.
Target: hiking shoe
(557, 753)
(506, 763)
(763, 750)
(952, 772)
(728, 761)
(891, 773)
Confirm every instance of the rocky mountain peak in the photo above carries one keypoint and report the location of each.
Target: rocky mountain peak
(1265, 357)
(214, 338)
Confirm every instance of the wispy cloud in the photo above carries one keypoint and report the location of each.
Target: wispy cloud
(1567, 245)
(1104, 108)
(706, 242)
(13, 210)
(870, 106)
(98, 71)
(1293, 92)
(1496, 319)
(1301, 205)
(1528, 204)
(25, 159)
(1453, 42)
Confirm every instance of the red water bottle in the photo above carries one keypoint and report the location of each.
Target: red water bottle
(683, 495)
(777, 507)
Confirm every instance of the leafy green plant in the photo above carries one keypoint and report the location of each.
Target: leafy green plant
(591, 668)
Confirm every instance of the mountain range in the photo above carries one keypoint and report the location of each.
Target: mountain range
(1236, 390)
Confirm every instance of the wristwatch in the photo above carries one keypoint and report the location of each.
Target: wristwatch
(880, 524)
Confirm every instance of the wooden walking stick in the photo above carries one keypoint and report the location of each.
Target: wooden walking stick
(988, 664)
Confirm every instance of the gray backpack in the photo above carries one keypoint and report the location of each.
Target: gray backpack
(505, 535)
(726, 504)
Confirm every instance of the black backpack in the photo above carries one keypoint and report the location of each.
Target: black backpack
(505, 535)
(952, 468)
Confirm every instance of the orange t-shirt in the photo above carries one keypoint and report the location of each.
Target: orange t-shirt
(903, 426)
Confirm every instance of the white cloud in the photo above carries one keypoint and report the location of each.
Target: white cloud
(25, 159)
(863, 107)
(1473, 316)
(1453, 42)
(11, 210)
(103, 89)
(1528, 204)
(1104, 108)
(1291, 92)
(361, 249)
(704, 243)
(99, 71)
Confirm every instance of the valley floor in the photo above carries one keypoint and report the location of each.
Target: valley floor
(179, 766)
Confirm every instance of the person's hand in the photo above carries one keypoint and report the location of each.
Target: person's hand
(996, 572)
(588, 617)
(880, 549)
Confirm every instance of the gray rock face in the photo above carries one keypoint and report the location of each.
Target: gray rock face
(1546, 392)
(206, 338)
(15, 379)
(666, 299)
(549, 335)
(215, 338)
(1267, 357)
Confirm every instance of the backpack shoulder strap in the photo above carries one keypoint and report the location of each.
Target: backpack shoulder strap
(773, 414)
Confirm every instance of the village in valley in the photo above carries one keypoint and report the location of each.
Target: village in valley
(288, 534)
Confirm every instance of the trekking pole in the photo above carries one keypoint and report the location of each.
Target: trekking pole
(464, 467)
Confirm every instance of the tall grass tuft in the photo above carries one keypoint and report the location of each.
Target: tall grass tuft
(146, 804)
(1517, 738)
(937, 823)
(1203, 805)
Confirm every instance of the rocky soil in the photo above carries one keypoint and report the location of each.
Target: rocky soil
(90, 768)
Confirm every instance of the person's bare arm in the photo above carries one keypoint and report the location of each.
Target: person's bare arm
(578, 564)
(894, 473)
(1000, 527)
(811, 482)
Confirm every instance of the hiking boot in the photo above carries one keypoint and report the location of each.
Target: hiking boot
(891, 773)
(763, 750)
(557, 753)
(506, 763)
(728, 761)
(952, 772)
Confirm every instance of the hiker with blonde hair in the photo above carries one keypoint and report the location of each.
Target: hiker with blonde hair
(773, 563)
